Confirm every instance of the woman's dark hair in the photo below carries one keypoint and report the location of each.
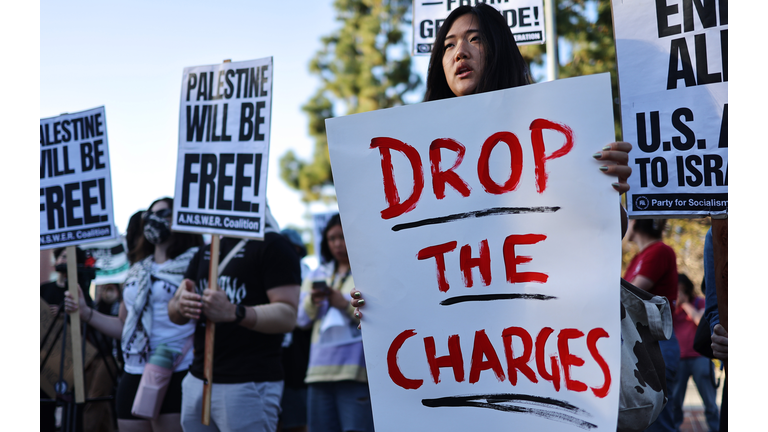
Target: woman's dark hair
(134, 230)
(504, 65)
(179, 242)
(325, 250)
(683, 280)
(650, 227)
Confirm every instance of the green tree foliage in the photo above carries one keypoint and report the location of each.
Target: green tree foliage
(363, 66)
(585, 30)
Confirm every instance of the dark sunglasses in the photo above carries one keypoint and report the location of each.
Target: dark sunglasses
(162, 213)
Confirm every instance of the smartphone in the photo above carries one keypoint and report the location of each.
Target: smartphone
(321, 286)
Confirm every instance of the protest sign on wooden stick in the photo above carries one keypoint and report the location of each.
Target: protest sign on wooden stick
(75, 199)
(221, 175)
(74, 326)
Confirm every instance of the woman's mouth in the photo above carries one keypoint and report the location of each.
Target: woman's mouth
(463, 71)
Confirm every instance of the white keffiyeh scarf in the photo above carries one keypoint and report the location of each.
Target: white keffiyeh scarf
(138, 325)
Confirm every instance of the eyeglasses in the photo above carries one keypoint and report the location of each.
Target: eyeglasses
(162, 213)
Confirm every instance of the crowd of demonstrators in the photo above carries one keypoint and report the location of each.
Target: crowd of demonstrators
(253, 308)
(338, 396)
(263, 297)
(159, 259)
(654, 269)
(686, 317)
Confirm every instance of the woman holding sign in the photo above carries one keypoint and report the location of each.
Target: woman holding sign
(160, 259)
(475, 52)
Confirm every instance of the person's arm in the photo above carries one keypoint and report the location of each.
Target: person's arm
(186, 304)
(309, 304)
(693, 313)
(342, 299)
(341, 302)
(642, 282)
(277, 316)
(111, 326)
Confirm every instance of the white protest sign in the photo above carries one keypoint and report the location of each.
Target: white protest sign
(487, 244)
(524, 17)
(673, 79)
(224, 131)
(75, 181)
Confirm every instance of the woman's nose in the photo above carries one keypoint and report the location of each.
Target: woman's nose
(461, 50)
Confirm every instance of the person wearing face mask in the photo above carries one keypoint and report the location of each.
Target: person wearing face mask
(159, 259)
(53, 292)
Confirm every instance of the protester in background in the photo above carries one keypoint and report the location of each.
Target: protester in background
(686, 317)
(338, 395)
(53, 292)
(293, 415)
(142, 324)
(712, 315)
(654, 269)
(253, 309)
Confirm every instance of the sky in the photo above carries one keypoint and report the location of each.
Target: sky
(129, 56)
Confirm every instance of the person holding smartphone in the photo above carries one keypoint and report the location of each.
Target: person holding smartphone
(338, 398)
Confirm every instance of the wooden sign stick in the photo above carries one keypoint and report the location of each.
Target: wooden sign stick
(74, 320)
(210, 328)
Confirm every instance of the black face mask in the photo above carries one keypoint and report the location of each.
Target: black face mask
(156, 229)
